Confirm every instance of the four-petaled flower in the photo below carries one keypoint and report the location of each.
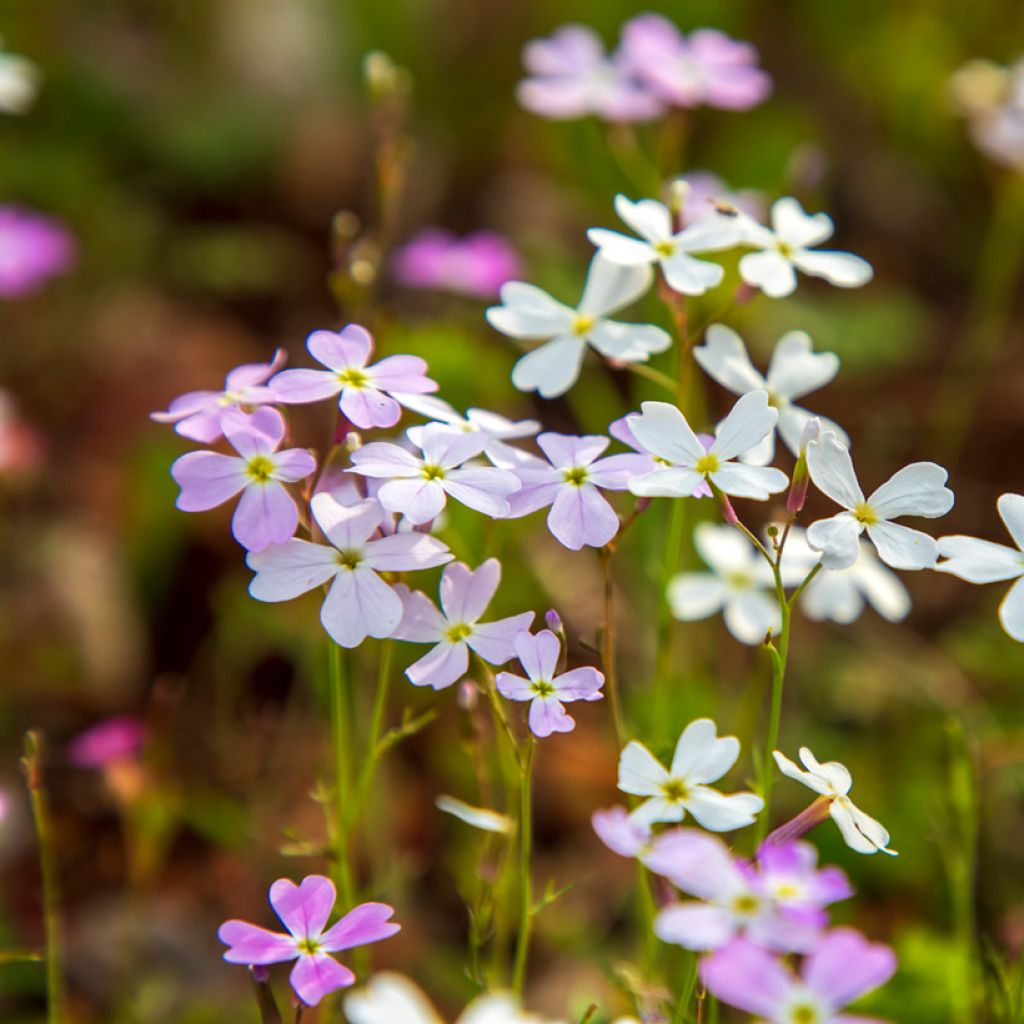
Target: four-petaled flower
(663, 431)
(538, 654)
(794, 371)
(369, 395)
(418, 486)
(266, 513)
(982, 561)
(198, 415)
(832, 781)
(304, 910)
(571, 483)
(787, 247)
(842, 968)
(456, 629)
(359, 603)
(671, 250)
(701, 757)
(916, 490)
(529, 313)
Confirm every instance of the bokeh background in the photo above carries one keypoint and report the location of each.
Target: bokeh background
(201, 154)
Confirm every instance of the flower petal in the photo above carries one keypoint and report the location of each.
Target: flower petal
(314, 977)
(701, 756)
(612, 286)
(718, 812)
(979, 561)
(266, 514)
(284, 571)
(465, 593)
(663, 430)
(1011, 611)
(547, 716)
(579, 684)
(838, 540)
(1011, 511)
(538, 653)
(903, 548)
(616, 247)
(349, 347)
(831, 469)
(528, 312)
(297, 387)
(749, 978)
(797, 228)
(695, 595)
(650, 219)
(749, 420)
(388, 998)
(551, 369)
(369, 922)
(916, 490)
(495, 641)
(842, 269)
(640, 772)
(690, 276)
(742, 481)
(581, 516)
(304, 908)
(751, 616)
(255, 946)
(359, 604)
(207, 479)
(796, 369)
(845, 966)
(723, 357)
(697, 926)
(346, 526)
(769, 271)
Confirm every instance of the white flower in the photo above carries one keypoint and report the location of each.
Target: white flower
(671, 250)
(739, 585)
(981, 561)
(19, 83)
(916, 490)
(786, 247)
(840, 594)
(794, 371)
(479, 817)
(832, 780)
(663, 431)
(393, 999)
(701, 757)
(529, 312)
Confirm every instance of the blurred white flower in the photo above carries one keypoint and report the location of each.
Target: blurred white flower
(982, 561)
(794, 371)
(991, 97)
(479, 817)
(19, 83)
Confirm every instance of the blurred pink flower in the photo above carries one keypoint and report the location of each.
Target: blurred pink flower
(704, 189)
(33, 249)
(114, 739)
(476, 265)
(706, 68)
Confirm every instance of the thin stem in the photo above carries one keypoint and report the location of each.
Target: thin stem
(661, 705)
(650, 373)
(491, 689)
(341, 735)
(779, 656)
(375, 749)
(611, 677)
(269, 1013)
(525, 850)
(32, 766)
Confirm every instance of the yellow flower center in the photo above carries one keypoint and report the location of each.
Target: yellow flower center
(582, 325)
(785, 250)
(259, 469)
(865, 514)
(353, 378)
(804, 1013)
(458, 633)
(577, 476)
(431, 472)
(707, 464)
(675, 790)
(349, 558)
(665, 249)
(308, 947)
(542, 687)
(746, 905)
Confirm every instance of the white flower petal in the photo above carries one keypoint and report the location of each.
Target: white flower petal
(551, 369)
(666, 483)
(284, 571)
(724, 549)
(797, 228)
(796, 369)
(838, 540)
(640, 772)
(1011, 611)
(662, 430)
(902, 547)
(647, 217)
(916, 490)
(479, 817)
(794, 771)
(881, 586)
(842, 269)
(720, 813)
(695, 595)
(701, 755)
(749, 420)
(742, 481)
(619, 248)
(529, 312)
(612, 286)
(724, 358)
(388, 998)
(840, 812)
(360, 604)
(792, 421)
(979, 561)
(1011, 511)
(770, 271)
(751, 616)
(831, 469)
(835, 774)
(630, 343)
(690, 276)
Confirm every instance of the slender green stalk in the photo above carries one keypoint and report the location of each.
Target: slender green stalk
(375, 749)
(611, 676)
(341, 737)
(686, 991)
(525, 852)
(646, 912)
(651, 374)
(661, 704)
(32, 766)
(779, 655)
(962, 870)
(269, 1013)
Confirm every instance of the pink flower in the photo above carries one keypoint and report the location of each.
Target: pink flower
(571, 483)
(842, 968)
(618, 830)
(197, 415)
(304, 910)
(370, 396)
(476, 265)
(419, 485)
(704, 189)
(571, 77)
(114, 739)
(33, 249)
(456, 629)
(359, 603)
(705, 68)
(777, 903)
(538, 654)
(266, 513)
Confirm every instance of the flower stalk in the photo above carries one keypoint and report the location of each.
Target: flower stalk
(525, 854)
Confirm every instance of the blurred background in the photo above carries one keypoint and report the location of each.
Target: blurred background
(214, 172)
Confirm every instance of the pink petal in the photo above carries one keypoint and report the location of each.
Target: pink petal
(367, 407)
(443, 665)
(418, 499)
(207, 479)
(538, 653)
(697, 926)
(405, 551)
(360, 604)
(203, 426)
(297, 387)
(466, 593)
(254, 433)
(581, 516)
(346, 526)
(293, 464)
(349, 348)
(189, 404)
(579, 684)
(304, 908)
(266, 514)
(483, 490)
(617, 830)
(514, 687)
(369, 922)
(421, 622)
(845, 966)
(748, 978)
(565, 451)
(405, 374)
(614, 473)
(252, 374)
(547, 716)
(252, 945)
(495, 642)
(314, 977)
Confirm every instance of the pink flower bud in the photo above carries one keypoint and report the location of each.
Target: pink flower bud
(554, 621)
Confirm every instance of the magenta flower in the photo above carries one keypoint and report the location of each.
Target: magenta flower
(456, 629)
(841, 969)
(781, 909)
(705, 68)
(419, 485)
(33, 249)
(359, 603)
(571, 77)
(114, 739)
(304, 910)
(538, 654)
(571, 484)
(266, 513)
(622, 431)
(370, 396)
(476, 265)
(197, 414)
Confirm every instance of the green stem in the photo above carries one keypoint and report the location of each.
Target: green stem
(611, 677)
(341, 735)
(375, 749)
(525, 850)
(661, 705)
(650, 373)
(779, 656)
(32, 765)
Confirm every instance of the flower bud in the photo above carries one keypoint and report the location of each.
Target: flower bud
(725, 505)
(467, 696)
(811, 432)
(678, 193)
(353, 441)
(801, 476)
(554, 621)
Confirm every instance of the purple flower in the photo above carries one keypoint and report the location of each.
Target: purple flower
(621, 833)
(114, 739)
(842, 968)
(580, 515)
(359, 603)
(370, 396)
(197, 414)
(538, 654)
(266, 513)
(304, 910)
(419, 486)
(456, 629)
(571, 77)
(622, 431)
(779, 908)
(33, 249)
(704, 189)
(476, 265)
(704, 68)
